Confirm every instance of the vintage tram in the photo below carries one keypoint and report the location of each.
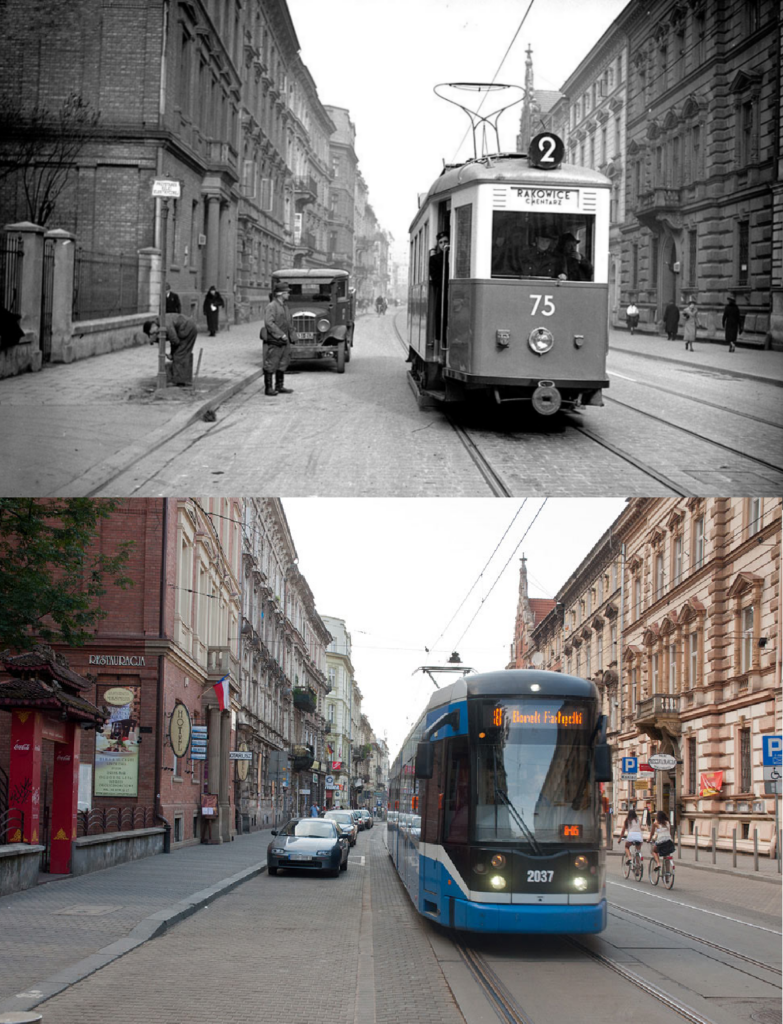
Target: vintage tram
(494, 809)
(508, 280)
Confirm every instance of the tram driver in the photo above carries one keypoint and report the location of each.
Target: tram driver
(570, 262)
(439, 281)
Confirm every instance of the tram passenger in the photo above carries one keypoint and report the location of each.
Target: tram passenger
(570, 261)
(633, 827)
(439, 280)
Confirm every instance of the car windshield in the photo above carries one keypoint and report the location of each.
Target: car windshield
(310, 829)
(343, 816)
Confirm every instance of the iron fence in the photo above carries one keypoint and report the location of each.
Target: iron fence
(12, 826)
(104, 285)
(11, 255)
(113, 819)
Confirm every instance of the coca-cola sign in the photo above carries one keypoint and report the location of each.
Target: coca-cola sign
(21, 746)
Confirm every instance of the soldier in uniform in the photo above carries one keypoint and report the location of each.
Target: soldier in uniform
(277, 342)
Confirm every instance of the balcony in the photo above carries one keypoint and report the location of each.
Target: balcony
(659, 714)
(653, 205)
(305, 240)
(305, 190)
(305, 699)
(220, 662)
(222, 157)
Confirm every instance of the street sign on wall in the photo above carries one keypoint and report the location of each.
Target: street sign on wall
(662, 762)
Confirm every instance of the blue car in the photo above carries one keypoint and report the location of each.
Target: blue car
(311, 844)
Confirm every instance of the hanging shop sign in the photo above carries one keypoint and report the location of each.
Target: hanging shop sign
(198, 743)
(711, 783)
(179, 730)
(243, 757)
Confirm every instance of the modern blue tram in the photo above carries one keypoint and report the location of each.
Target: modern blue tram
(508, 282)
(493, 822)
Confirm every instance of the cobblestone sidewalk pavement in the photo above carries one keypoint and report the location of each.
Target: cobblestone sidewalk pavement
(53, 935)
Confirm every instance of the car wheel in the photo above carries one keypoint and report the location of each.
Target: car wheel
(271, 871)
(335, 873)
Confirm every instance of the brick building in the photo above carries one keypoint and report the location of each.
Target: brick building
(675, 615)
(154, 660)
(211, 93)
(680, 104)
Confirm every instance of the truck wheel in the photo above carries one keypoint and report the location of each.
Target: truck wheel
(347, 351)
(341, 357)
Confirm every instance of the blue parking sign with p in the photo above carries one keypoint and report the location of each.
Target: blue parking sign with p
(630, 765)
(772, 748)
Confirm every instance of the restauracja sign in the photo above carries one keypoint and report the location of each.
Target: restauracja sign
(117, 659)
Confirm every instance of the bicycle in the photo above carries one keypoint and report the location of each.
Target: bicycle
(665, 871)
(635, 864)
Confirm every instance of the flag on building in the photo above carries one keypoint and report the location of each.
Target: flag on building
(222, 691)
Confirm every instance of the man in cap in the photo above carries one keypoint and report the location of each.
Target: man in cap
(181, 332)
(733, 321)
(277, 343)
(439, 279)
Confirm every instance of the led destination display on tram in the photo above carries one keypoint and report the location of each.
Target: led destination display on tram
(531, 717)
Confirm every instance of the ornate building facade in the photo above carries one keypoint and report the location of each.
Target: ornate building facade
(675, 615)
(680, 104)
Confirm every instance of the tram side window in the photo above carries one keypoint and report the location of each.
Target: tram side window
(457, 795)
(542, 244)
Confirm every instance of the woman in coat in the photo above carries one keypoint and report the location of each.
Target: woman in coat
(671, 320)
(212, 303)
(690, 316)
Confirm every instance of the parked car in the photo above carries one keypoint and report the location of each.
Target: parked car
(357, 817)
(344, 820)
(366, 817)
(309, 843)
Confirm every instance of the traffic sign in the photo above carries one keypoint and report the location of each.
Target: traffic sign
(662, 762)
(630, 765)
(240, 755)
(166, 188)
(772, 749)
(629, 776)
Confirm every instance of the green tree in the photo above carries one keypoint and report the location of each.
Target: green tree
(52, 574)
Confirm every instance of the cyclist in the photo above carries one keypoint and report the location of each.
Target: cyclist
(661, 838)
(633, 827)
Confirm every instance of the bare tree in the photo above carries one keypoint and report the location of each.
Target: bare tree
(41, 146)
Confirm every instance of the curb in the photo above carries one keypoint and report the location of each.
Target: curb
(102, 473)
(148, 928)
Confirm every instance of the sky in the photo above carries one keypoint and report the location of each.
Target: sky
(399, 570)
(381, 59)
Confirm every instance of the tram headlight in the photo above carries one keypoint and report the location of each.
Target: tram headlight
(323, 326)
(540, 340)
(480, 869)
(497, 882)
(581, 862)
(580, 883)
(498, 861)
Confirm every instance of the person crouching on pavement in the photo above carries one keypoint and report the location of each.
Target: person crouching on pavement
(181, 332)
(277, 343)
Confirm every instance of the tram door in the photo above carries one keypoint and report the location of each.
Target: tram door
(440, 258)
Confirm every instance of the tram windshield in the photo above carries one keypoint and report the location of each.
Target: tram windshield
(533, 771)
(542, 244)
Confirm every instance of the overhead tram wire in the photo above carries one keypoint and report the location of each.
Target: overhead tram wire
(499, 68)
(484, 599)
(456, 613)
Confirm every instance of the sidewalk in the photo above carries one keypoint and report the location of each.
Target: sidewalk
(686, 856)
(57, 933)
(748, 363)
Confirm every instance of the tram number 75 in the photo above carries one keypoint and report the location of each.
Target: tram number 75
(548, 307)
(540, 876)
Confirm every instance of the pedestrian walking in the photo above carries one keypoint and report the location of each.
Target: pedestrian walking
(213, 302)
(691, 317)
(733, 321)
(632, 316)
(276, 335)
(314, 811)
(181, 332)
(671, 319)
(173, 305)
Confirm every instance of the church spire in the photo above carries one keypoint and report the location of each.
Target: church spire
(526, 117)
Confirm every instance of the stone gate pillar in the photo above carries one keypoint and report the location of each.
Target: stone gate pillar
(62, 295)
(31, 283)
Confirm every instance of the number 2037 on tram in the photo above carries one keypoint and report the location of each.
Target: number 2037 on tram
(494, 805)
(508, 285)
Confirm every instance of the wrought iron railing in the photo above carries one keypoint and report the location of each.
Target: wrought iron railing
(12, 825)
(11, 255)
(113, 819)
(105, 285)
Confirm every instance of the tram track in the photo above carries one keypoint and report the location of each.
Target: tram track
(508, 1008)
(614, 908)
